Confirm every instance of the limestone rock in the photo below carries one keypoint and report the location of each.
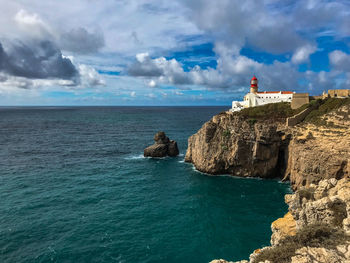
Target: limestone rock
(231, 144)
(319, 255)
(282, 228)
(162, 147)
(327, 203)
(325, 156)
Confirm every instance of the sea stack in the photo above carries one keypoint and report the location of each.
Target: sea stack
(162, 147)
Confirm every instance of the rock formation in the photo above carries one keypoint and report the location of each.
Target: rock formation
(305, 154)
(316, 161)
(162, 147)
(317, 152)
(232, 144)
(327, 203)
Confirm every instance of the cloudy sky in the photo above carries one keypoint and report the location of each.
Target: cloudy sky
(161, 52)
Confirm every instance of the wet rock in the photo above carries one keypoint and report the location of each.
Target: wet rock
(162, 147)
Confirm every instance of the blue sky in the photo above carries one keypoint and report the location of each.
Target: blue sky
(157, 52)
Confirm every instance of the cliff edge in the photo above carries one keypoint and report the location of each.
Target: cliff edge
(313, 155)
(316, 149)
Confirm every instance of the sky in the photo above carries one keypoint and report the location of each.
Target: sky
(161, 52)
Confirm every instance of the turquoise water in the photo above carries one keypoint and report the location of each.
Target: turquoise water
(74, 187)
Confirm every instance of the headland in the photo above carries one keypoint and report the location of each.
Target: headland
(313, 154)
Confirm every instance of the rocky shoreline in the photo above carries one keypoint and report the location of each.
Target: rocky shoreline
(316, 161)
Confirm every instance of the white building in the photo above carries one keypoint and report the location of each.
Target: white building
(255, 98)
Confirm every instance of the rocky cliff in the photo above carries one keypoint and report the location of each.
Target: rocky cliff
(232, 144)
(314, 156)
(316, 228)
(319, 152)
(304, 154)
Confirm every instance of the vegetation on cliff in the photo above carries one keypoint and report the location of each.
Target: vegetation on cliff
(273, 111)
(282, 110)
(323, 107)
(314, 235)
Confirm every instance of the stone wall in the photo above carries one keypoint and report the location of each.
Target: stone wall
(299, 99)
(339, 93)
(292, 121)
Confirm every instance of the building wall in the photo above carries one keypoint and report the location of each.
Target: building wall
(299, 99)
(266, 98)
(333, 93)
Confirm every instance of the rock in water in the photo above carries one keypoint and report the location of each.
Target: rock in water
(162, 147)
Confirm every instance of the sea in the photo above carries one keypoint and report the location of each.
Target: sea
(75, 187)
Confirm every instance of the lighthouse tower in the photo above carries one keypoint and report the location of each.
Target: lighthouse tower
(254, 85)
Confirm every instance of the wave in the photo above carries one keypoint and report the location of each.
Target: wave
(135, 157)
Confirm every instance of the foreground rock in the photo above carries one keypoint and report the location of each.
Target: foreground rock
(316, 228)
(314, 158)
(162, 147)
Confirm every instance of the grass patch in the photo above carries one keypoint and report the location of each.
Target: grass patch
(324, 107)
(307, 193)
(224, 147)
(315, 235)
(252, 122)
(226, 133)
(268, 111)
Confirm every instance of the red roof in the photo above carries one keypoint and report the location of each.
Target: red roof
(271, 92)
(254, 78)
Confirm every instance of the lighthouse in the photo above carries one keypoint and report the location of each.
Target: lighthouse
(254, 85)
(257, 98)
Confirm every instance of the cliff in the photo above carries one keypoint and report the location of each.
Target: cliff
(318, 152)
(232, 144)
(313, 155)
(307, 153)
(316, 228)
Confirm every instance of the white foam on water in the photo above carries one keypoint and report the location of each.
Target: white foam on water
(135, 157)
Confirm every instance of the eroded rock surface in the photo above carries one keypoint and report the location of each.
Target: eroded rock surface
(231, 144)
(316, 160)
(162, 147)
(317, 152)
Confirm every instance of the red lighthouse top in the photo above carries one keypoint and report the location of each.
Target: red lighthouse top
(254, 82)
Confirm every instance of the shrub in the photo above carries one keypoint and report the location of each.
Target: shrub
(252, 122)
(315, 235)
(325, 106)
(224, 147)
(307, 193)
(226, 133)
(268, 111)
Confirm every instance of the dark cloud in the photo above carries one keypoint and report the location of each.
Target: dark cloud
(36, 60)
(79, 40)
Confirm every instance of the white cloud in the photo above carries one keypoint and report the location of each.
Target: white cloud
(302, 54)
(133, 94)
(340, 60)
(152, 83)
(89, 76)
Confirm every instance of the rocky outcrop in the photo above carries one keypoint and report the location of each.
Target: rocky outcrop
(317, 152)
(315, 214)
(234, 145)
(304, 154)
(316, 161)
(162, 147)
(282, 227)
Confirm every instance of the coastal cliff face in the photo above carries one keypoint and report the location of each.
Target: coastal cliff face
(318, 152)
(316, 228)
(304, 154)
(314, 158)
(232, 144)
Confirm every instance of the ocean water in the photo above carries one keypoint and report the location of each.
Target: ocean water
(74, 187)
